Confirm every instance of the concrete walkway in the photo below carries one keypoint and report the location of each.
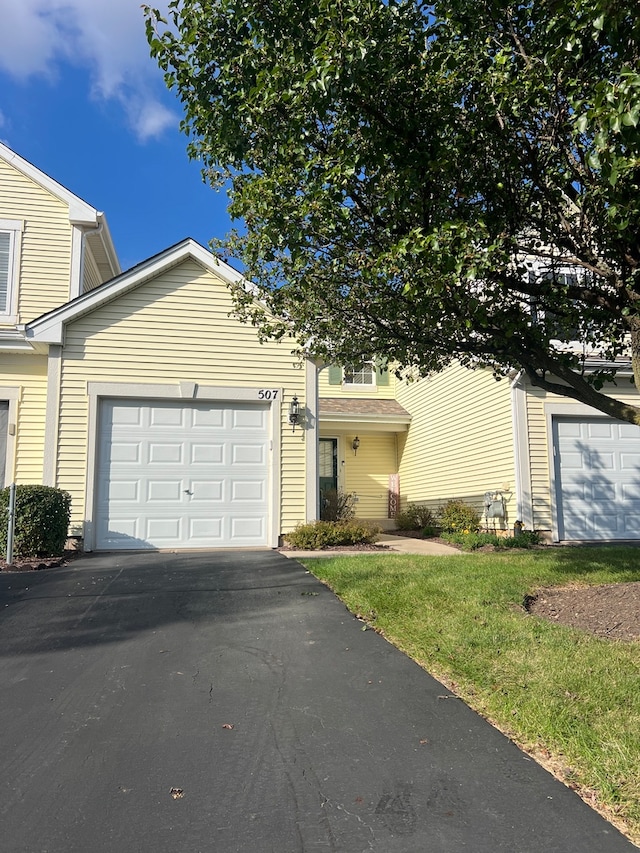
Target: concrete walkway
(395, 545)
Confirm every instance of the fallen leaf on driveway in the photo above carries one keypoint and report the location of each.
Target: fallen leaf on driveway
(227, 726)
(176, 793)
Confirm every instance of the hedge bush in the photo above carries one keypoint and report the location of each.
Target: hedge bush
(415, 517)
(323, 534)
(458, 517)
(42, 521)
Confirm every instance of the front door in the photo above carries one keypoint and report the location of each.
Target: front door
(328, 467)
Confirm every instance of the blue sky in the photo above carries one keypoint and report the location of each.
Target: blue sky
(81, 99)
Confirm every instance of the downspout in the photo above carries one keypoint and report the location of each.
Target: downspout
(524, 507)
(78, 255)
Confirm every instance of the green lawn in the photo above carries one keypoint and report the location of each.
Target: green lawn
(556, 691)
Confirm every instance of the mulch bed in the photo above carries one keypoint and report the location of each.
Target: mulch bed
(38, 564)
(611, 610)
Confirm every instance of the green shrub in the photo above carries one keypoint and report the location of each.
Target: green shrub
(458, 517)
(473, 541)
(429, 532)
(324, 534)
(415, 517)
(337, 506)
(42, 521)
(525, 539)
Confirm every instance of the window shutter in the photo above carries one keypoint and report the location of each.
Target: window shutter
(335, 375)
(382, 374)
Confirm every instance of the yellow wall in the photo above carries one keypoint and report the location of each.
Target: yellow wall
(45, 257)
(367, 472)
(29, 374)
(459, 443)
(175, 327)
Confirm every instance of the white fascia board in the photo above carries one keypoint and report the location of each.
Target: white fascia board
(107, 242)
(365, 418)
(80, 213)
(50, 327)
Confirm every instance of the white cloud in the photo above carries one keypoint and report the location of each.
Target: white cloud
(106, 37)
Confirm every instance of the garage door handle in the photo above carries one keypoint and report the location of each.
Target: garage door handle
(187, 492)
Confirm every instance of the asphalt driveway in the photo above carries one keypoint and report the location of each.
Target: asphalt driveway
(228, 702)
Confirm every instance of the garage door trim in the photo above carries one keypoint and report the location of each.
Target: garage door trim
(187, 392)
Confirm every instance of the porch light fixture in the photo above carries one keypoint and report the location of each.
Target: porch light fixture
(294, 412)
(355, 444)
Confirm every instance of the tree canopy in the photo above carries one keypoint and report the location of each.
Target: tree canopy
(426, 182)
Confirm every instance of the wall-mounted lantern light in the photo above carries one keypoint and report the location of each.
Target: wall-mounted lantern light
(355, 444)
(294, 412)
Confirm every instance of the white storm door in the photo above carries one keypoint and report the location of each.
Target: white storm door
(597, 478)
(182, 475)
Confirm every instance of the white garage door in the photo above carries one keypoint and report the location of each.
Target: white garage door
(597, 478)
(185, 475)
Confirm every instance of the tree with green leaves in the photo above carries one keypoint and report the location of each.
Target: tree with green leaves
(427, 182)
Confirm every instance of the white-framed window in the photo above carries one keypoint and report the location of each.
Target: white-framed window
(360, 374)
(10, 234)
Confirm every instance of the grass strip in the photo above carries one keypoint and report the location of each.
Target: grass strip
(565, 696)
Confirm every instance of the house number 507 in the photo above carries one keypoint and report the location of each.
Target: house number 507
(268, 394)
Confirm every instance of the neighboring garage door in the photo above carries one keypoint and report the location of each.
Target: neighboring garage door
(182, 475)
(597, 478)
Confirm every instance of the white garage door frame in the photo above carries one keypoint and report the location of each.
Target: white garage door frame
(186, 392)
(554, 411)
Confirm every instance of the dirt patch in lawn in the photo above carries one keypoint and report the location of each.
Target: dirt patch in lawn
(611, 610)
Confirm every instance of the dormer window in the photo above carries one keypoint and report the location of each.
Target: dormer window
(361, 374)
(10, 231)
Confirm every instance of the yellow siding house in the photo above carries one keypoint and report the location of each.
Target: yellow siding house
(172, 426)
(139, 393)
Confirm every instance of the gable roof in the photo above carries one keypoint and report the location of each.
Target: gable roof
(81, 213)
(49, 328)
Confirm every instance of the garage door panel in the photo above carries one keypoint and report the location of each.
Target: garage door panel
(157, 491)
(247, 454)
(252, 419)
(164, 491)
(600, 430)
(166, 416)
(206, 530)
(125, 453)
(601, 498)
(206, 454)
(208, 418)
(125, 415)
(206, 490)
(602, 492)
(248, 528)
(166, 453)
